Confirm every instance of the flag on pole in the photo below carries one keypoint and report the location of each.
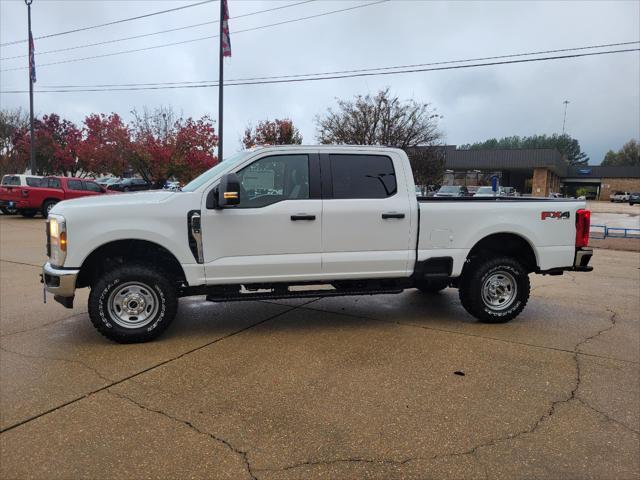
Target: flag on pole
(226, 39)
(32, 59)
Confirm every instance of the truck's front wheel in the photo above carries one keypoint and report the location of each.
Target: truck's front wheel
(132, 304)
(494, 290)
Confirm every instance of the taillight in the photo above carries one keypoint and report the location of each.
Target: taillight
(583, 223)
(25, 193)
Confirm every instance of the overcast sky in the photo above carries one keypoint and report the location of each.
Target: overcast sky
(477, 103)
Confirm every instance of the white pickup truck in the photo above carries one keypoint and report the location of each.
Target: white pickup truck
(273, 222)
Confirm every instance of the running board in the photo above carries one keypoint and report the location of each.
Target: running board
(239, 297)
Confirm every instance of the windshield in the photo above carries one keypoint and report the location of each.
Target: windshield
(214, 171)
(449, 189)
(485, 190)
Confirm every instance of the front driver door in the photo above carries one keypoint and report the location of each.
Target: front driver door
(275, 233)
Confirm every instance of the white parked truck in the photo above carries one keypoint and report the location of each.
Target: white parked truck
(273, 222)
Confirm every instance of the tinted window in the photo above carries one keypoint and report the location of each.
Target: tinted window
(34, 181)
(51, 183)
(92, 187)
(10, 180)
(362, 176)
(273, 179)
(74, 185)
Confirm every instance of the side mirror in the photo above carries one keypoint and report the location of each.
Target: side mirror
(226, 194)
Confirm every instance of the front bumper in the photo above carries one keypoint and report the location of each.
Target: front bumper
(59, 282)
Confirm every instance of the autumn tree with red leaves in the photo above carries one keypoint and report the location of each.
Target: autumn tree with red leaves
(106, 147)
(56, 146)
(276, 132)
(165, 146)
(156, 145)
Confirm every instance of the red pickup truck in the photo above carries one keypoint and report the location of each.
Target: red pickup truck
(29, 200)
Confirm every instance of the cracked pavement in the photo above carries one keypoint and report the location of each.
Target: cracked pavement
(351, 387)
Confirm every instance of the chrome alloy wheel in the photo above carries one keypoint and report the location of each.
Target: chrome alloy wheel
(499, 290)
(133, 305)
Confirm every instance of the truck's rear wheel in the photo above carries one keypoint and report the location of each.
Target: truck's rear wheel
(132, 304)
(494, 290)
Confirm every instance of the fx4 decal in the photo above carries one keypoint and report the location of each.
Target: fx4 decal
(556, 215)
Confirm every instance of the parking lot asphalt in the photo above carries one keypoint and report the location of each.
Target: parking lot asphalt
(394, 386)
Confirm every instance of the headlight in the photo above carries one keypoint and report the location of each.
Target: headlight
(57, 238)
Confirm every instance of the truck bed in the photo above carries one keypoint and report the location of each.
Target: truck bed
(449, 227)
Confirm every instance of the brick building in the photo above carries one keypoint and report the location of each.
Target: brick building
(538, 172)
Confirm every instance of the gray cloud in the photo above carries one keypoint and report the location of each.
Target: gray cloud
(476, 103)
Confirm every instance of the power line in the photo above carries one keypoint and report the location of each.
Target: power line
(333, 77)
(211, 22)
(260, 27)
(447, 62)
(82, 29)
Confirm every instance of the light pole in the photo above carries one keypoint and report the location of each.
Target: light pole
(564, 120)
(32, 78)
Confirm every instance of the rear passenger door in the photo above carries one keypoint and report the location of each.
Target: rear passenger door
(366, 220)
(75, 189)
(91, 188)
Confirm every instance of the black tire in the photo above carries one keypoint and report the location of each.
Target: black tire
(110, 286)
(28, 213)
(125, 189)
(432, 286)
(46, 206)
(479, 273)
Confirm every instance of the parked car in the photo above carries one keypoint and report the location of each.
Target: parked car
(171, 185)
(130, 185)
(619, 197)
(352, 227)
(634, 198)
(106, 181)
(488, 192)
(53, 190)
(509, 191)
(472, 189)
(11, 189)
(452, 191)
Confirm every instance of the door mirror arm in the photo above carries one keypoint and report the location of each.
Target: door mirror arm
(212, 199)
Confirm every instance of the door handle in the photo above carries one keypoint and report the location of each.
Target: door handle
(302, 216)
(387, 215)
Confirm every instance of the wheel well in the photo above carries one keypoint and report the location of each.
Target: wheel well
(50, 200)
(508, 244)
(120, 252)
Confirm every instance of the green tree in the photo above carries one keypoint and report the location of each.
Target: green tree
(627, 156)
(569, 147)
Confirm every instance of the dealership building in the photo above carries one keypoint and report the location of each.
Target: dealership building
(538, 172)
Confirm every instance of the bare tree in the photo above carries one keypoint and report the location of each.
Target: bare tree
(11, 123)
(382, 119)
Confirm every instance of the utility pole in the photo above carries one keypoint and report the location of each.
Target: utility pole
(564, 120)
(221, 80)
(32, 78)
